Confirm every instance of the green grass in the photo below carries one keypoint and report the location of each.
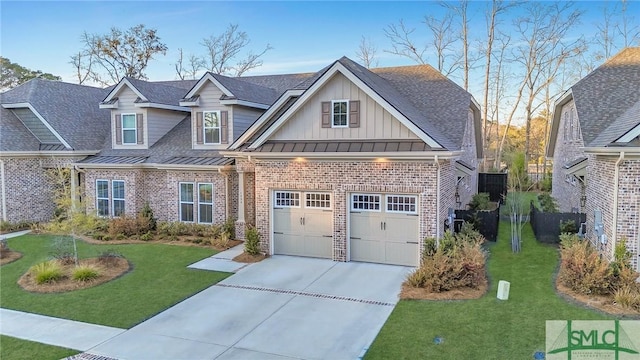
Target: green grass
(18, 349)
(159, 279)
(486, 328)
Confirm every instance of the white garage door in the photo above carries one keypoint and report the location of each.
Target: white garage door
(385, 228)
(302, 223)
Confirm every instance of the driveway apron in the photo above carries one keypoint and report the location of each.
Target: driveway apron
(281, 308)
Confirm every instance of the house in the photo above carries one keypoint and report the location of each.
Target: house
(594, 142)
(347, 163)
(43, 125)
(362, 165)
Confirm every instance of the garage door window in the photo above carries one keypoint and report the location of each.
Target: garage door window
(318, 201)
(365, 202)
(401, 204)
(287, 199)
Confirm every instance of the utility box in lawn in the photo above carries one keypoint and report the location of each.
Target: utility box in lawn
(503, 290)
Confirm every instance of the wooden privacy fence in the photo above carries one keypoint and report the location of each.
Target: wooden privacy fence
(485, 221)
(495, 184)
(546, 226)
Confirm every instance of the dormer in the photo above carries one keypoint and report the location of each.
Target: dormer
(222, 108)
(142, 112)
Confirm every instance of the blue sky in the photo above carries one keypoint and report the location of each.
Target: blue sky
(305, 36)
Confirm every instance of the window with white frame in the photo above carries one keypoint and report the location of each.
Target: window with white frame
(211, 127)
(129, 129)
(117, 195)
(186, 202)
(287, 199)
(102, 197)
(205, 203)
(365, 202)
(402, 204)
(318, 200)
(339, 113)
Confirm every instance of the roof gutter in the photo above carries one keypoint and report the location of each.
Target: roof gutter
(613, 151)
(616, 188)
(404, 155)
(79, 166)
(65, 153)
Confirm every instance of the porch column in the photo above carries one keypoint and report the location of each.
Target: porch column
(240, 222)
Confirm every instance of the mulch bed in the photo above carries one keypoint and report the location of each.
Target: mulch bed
(603, 303)
(116, 268)
(181, 241)
(246, 258)
(9, 257)
(413, 293)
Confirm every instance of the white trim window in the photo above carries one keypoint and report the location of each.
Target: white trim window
(318, 201)
(186, 201)
(405, 204)
(205, 203)
(339, 113)
(102, 197)
(211, 127)
(287, 199)
(129, 129)
(117, 197)
(366, 202)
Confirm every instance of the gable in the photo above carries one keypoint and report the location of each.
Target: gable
(375, 121)
(210, 96)
(126, 100)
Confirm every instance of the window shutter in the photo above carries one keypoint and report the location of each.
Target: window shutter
(354, 113)
(140, 128)
(118, 129)
(224, 128)
(199, 134)
(326, 114)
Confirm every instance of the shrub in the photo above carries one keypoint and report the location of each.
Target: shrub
(109, 257)
(85, 273)
(229, 228)
(147, 214)
(124, 227)
(458, 261)
(582, 269)
(78, 223)
(6, 226)
(62, 249)
(568, 227)
(46, 272)
(546, 183)
(547, 203)
(480, 201)
(252, 241)
(628, 297)
(146, 236)
(221, 241)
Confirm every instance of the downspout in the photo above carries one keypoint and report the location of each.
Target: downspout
(616, 176)
(4, 191)
(75, 170)
(437, 201)
(226, 193)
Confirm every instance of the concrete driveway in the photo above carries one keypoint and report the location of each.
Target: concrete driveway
(281, 308)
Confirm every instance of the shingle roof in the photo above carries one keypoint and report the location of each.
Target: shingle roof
(280, 83)
(604, 96)
(247, 91)
(69, 108)
(162, 92)
(14, 136)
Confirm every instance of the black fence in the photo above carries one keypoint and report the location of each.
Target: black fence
(486, 222)
(546, 226)
(495, 184)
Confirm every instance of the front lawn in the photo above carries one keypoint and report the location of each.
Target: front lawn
(18, 349)
(486, 328)
(159, 279)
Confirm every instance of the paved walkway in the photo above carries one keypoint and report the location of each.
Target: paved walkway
(222, 261)
(14, 234)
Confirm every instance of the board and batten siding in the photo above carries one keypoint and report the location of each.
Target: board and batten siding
(126, 105)
(160, 122)
(243, 118)
(375, 121)
(210, 101)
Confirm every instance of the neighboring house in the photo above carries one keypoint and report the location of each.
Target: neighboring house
(43, 125)
(595, 146)
(346, 163)
(358, 164)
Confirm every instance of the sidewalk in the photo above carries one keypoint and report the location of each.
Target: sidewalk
(54, 331)
(14, 234)
(222, 261)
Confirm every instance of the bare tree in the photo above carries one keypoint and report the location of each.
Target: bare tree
(499, 79)
(189, 68)
(222, 52)
(628, 29)
(367, 53)
(460, 10)
(402, 44)
(105, 59)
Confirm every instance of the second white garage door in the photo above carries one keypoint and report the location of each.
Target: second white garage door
(302, 223)
(385, 228)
